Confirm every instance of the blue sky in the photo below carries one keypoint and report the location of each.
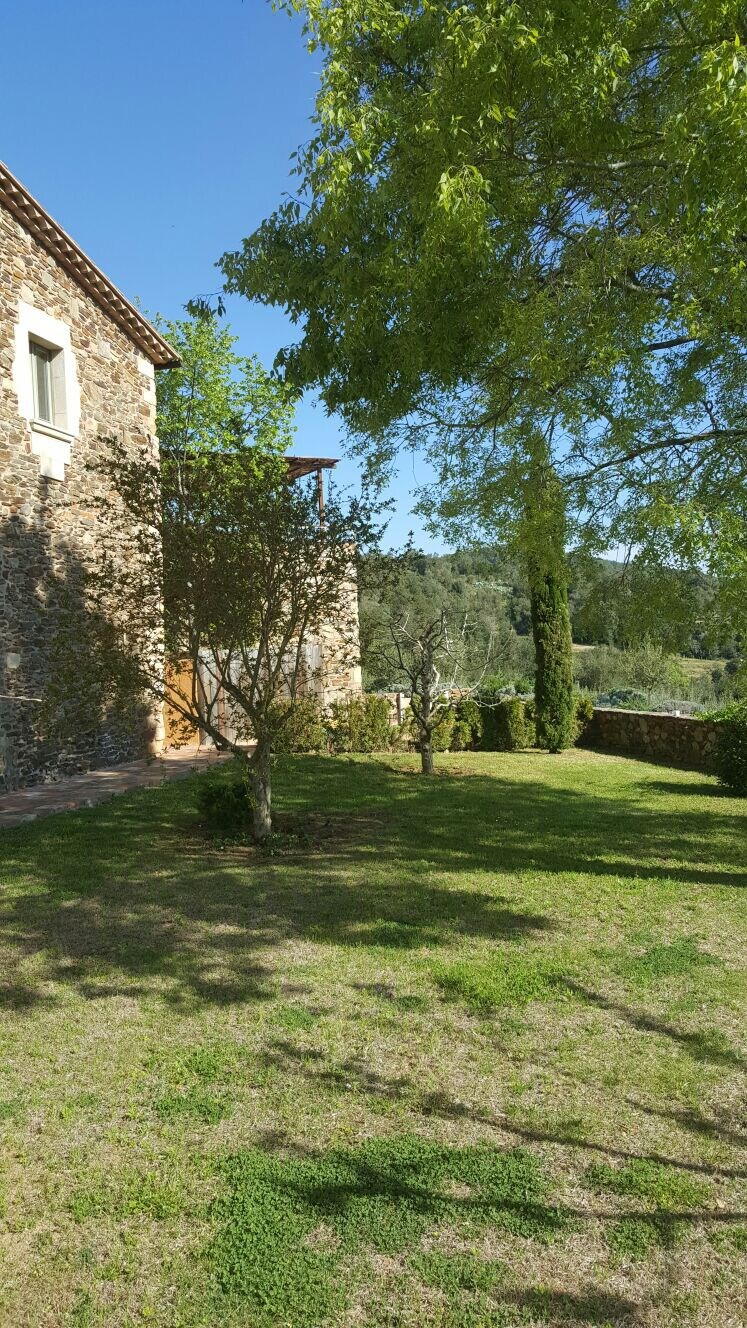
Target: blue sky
(158, 133)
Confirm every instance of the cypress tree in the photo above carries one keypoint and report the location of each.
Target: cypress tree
(544, 537)
(553, 689)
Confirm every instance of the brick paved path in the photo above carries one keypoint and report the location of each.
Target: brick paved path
(101, 785)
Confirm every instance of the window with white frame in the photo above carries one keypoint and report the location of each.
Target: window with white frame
(48, 384)
(41, 381)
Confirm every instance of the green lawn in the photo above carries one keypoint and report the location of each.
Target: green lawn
(462, 1053)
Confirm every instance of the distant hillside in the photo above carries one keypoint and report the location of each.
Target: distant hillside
(610, 605)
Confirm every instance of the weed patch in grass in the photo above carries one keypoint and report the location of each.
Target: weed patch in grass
(673, 960)
(83, 1312)
(210, 1063)
(729, 1239)
(504, 980)
(466, 1284)
(454, 1273)
(294, 1018)
(669, 1189)
(383, 1196)
(77, 1106)
(189, 1093)
(130, 1194)
(393, 934)
(194, 1102)
(635, 1237)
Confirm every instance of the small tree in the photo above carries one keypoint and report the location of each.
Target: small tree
(231, 575)
(433, 660)
(214, 574)
(649, 667)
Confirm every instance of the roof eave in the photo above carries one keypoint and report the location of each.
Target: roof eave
(84, 271)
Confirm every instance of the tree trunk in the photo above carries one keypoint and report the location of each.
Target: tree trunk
(426, 755)
(260, 782)
(426, 731)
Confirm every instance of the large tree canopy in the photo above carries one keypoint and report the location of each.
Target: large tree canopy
(515, 218)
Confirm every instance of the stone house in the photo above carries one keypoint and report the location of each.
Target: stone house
(77, 363)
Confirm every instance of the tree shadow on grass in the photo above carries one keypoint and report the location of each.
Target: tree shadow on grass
(356, 1077)
(690, 789)
(702, 1046)
(477, 820)
(118, 902)
(716, 1126)
(127, 898)
(590, 1307)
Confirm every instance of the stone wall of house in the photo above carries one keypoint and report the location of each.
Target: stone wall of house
(48, 526)
(338, 671)
(675, 739)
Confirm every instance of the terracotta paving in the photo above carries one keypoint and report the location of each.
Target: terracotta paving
(96, 786)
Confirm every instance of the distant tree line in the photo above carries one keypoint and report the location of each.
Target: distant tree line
(610, 604)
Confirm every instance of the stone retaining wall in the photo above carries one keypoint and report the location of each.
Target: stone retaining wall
(679, 740)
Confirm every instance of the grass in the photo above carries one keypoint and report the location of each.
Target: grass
(462, 1053)
(285, 1225)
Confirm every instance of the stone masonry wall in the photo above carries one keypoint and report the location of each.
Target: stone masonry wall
(675, 739)
(48, 527)
(339, 644)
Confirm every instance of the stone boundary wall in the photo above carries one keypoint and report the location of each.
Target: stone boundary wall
(681, 740)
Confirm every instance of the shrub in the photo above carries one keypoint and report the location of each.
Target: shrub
(625, 698)
(730, 760)
(523, 684)
(224, 803)
(496, 684)
(443, 732)
(490, 696)
(444, 729)
(601, 669)
(303, 730)
(360, 724)
(508, 724)
(468, 725)
(584, 713)
(649, 668)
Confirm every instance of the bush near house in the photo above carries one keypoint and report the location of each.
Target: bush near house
(490, 721)
(224, 804)
(408, 734)
(508, 725)
(304, 729)
(360, 724)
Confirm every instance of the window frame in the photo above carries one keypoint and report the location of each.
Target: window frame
(40, 353)
(53, 432)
